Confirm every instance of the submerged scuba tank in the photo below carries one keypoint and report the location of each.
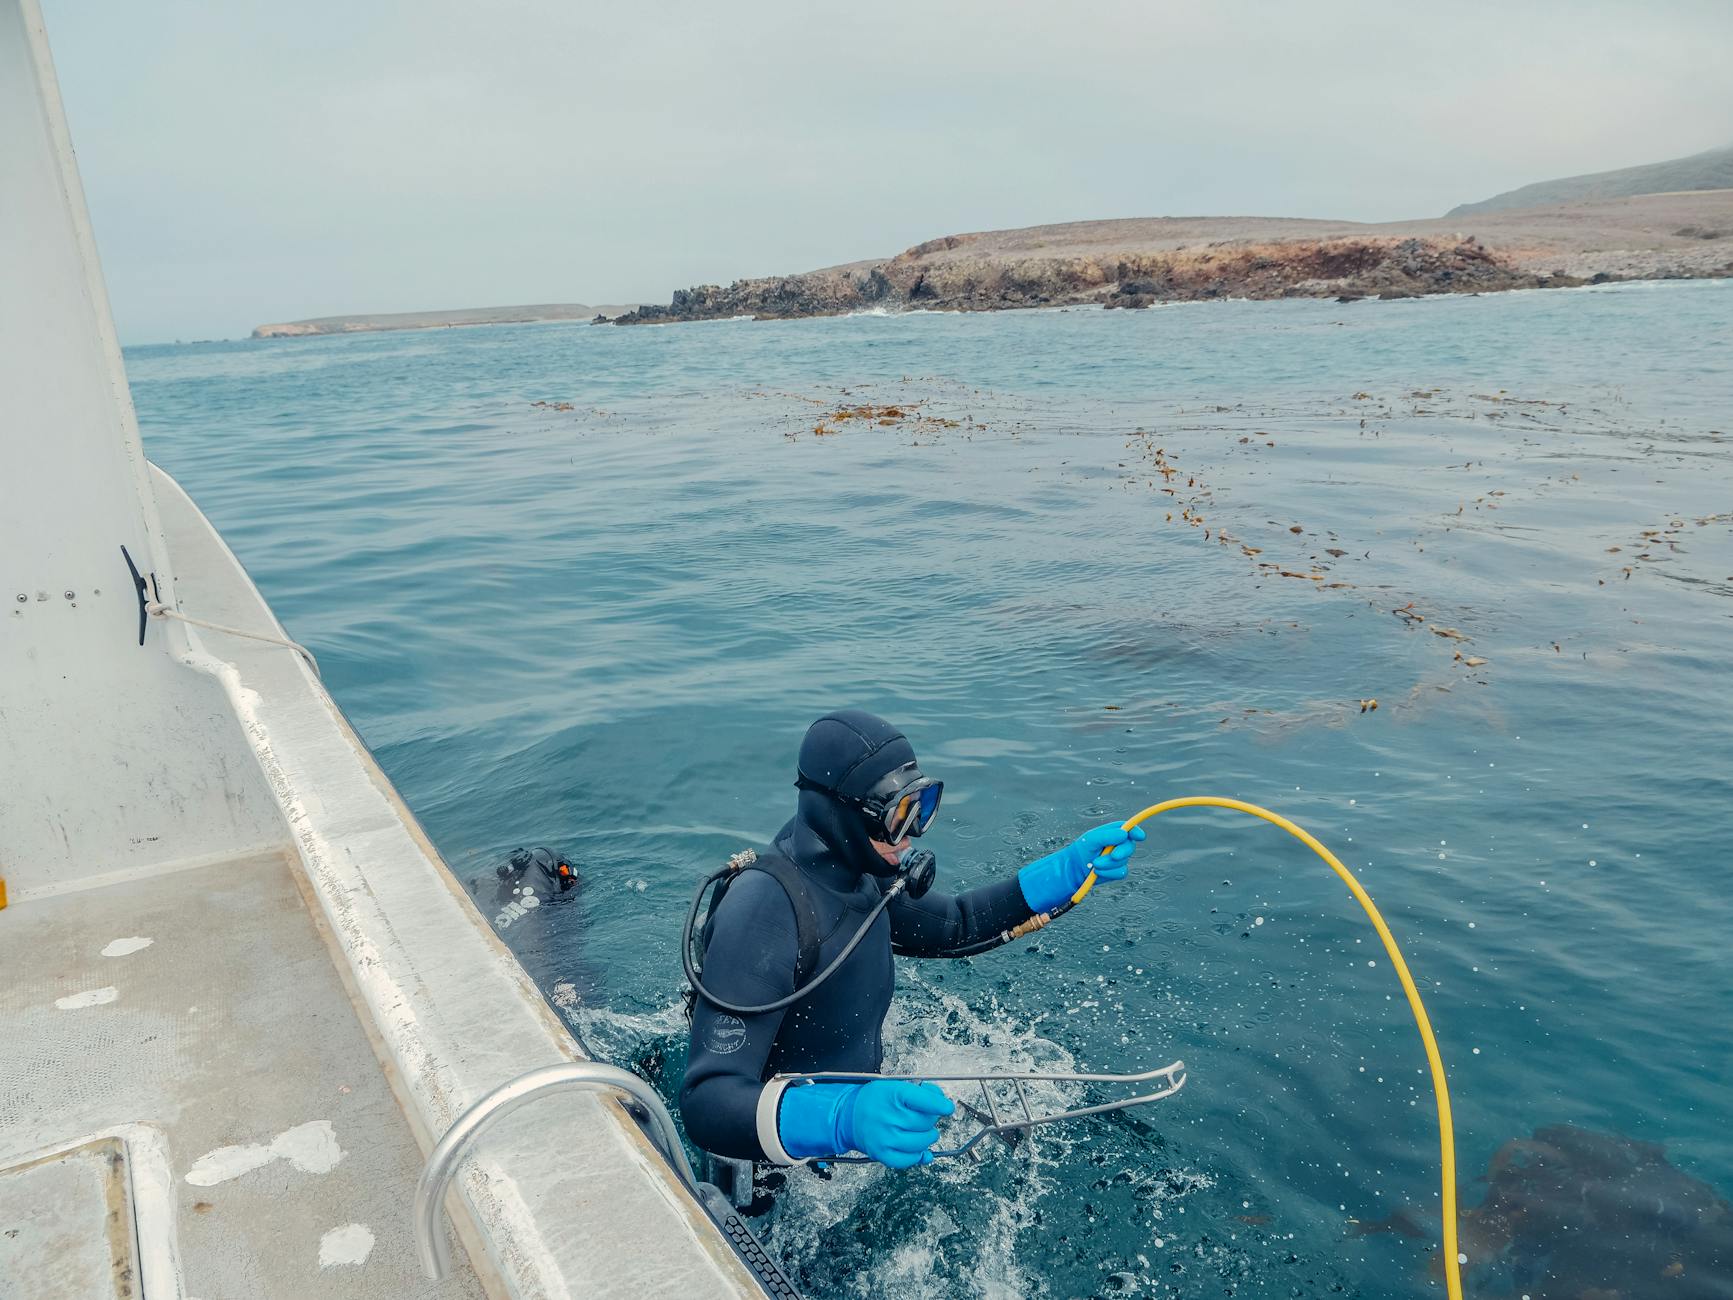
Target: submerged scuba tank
(521, 884)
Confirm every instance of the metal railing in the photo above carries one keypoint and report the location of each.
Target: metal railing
(430, 1243)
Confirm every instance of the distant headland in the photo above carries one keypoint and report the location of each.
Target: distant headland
(430, 320)
(1712, 170)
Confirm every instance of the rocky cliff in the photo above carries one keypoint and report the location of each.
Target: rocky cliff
(1400, 268)
(1141, 262)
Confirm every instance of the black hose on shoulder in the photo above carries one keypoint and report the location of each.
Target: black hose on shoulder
(694, 975)
(916, 877)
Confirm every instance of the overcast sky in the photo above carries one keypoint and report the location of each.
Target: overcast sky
(250, 162)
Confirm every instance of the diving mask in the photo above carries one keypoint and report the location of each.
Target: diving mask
(903, 803)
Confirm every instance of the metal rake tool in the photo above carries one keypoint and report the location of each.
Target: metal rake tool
(1019, 1114)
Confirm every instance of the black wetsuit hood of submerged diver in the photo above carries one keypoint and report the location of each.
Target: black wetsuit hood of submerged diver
(522, 884)
(751, 954)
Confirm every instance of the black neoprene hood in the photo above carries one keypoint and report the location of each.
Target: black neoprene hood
(847, 752)
(850, 751)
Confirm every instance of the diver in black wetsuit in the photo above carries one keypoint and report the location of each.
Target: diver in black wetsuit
(861, 795)
(523, 883)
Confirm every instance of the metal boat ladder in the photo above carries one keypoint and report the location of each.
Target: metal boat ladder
(643, 1105)
(430, 1244)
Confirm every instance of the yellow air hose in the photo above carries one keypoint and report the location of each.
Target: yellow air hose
(1440, 1086)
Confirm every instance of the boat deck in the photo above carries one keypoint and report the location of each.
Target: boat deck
(238, 988)
(231, 1033)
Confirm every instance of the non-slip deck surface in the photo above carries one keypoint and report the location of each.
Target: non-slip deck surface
(230, 1030)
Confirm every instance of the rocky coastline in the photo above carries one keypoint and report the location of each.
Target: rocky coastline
(1137, 264)
(1346, 268)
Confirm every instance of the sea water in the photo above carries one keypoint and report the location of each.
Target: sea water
(585, 587)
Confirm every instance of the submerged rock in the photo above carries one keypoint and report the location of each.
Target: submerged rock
(1571, 1214)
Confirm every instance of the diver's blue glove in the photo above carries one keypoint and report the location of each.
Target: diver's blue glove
(1049, 882)
(894, 1121)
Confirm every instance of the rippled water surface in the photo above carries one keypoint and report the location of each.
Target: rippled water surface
(586, 586)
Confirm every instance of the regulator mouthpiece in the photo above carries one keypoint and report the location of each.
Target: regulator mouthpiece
(917, 869)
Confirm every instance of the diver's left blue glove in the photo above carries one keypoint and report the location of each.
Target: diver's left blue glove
(1050, 881)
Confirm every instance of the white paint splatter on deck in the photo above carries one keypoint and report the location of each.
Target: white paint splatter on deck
(311, 1148)
(89, 998)
(350, 1244)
